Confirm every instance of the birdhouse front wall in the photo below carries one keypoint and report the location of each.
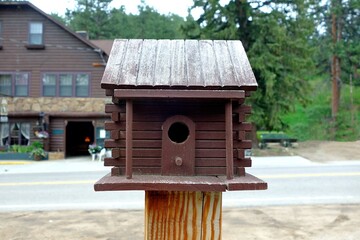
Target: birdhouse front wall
(201, 127)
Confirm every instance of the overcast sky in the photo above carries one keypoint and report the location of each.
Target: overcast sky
(178, 7)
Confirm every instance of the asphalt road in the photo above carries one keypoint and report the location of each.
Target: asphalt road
(69, 185)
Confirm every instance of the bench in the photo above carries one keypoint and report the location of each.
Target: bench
(274, 137)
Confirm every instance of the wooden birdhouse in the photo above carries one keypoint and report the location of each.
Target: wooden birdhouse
(178, 116)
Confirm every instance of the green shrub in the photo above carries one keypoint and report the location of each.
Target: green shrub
(314, 122)
(20, 149)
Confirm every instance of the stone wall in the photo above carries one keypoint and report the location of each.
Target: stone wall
(51, 104)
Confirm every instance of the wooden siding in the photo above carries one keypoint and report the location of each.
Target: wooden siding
(63, 51)
(178, 63)
(57, 134)
(148, 119)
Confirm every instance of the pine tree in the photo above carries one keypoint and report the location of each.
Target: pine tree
(275, 35)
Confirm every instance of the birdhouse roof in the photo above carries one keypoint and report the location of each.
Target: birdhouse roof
(180, 64)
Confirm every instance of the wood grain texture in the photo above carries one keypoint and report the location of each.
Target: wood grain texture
(182, 215)
(182, 63)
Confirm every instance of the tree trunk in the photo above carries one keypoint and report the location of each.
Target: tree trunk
(335, 63)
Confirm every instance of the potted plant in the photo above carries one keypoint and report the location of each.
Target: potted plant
(38, 152)
(94, 149)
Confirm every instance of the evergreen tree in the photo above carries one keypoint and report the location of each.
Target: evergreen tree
(275, 35)
(101, 22)
(337, 58)
(91, 16)
(148, 24)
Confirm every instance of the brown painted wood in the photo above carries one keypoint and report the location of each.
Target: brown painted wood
(244, 126)
(129, 138)
(183, 215)
(109, 92)
(199, 153)
(241, 135)
(166, 93)
(155, 169)
(156, 135)
(109, 108)
(178, 158)
(115, 116)
(179, 183)
(211, 97)
(114, 135)
(156, 126)
(200, 144)
(199, 162)
(229, 141)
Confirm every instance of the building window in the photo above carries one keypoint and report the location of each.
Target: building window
(101, 134)
(5, 84)
(82, 85)
(15, 134)
(21, 84)
(66, 85)
(49, 85)
(14, 84)
(36, 33)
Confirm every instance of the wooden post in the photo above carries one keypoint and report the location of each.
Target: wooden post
(183, 215)
(229, 140)
(129, 123)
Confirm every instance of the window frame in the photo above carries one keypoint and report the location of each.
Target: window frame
(58, 85)
(14, 85)
(32, 45)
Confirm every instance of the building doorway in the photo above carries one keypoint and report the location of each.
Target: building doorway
(79, 135)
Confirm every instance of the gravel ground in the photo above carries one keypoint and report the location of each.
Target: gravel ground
(330, 222)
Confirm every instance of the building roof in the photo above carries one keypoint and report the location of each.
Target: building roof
(105, 45)
(196, 64)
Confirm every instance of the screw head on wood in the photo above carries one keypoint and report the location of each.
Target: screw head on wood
(178, 161)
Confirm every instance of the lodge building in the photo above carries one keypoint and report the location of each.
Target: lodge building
(49, 83)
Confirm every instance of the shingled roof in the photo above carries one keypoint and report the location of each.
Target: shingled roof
(189, 64)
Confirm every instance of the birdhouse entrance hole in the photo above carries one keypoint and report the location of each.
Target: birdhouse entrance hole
(178, 146)
(178, 132)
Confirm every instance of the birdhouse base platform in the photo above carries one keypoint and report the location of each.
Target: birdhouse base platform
(180, 183)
